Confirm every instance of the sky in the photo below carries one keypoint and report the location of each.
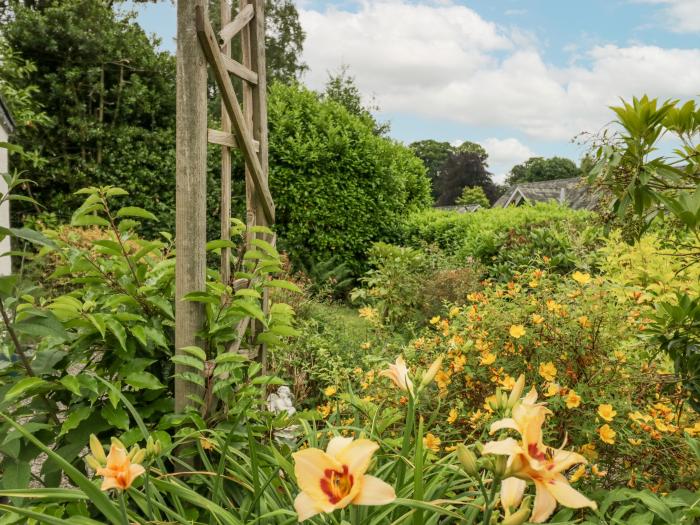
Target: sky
(520, 77)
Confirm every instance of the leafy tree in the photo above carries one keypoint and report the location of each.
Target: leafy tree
(434, 154)
(473, 195)
(464, 169)
(338, 187)
(537, 169)
(473, 147)
(109, 98)
(284, 41)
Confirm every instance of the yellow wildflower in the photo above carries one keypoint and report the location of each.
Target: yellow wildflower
(584, 322)
(578, 474)
(442, 379)
(548, 370)
(581, 278)
(452, 416)
(537, 319)
(607, 412)
(435, 320)
(431, 442)
(366, 345)
(330, 391)
(507, 382)
(598, 472)
(552, 390)
(487, 358)
(607, 434)
(454, 311)
(517, 331)
(634, 442)
(573, 400)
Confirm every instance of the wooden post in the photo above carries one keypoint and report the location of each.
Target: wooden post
(190, 196)
(225, 164)
(259, 126)
(247, 102)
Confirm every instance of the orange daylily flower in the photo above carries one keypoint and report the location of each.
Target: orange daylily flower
(398, 373)
(119, 473)
(336, 478)
(530, 459)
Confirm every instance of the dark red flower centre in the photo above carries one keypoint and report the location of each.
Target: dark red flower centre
(336, 484)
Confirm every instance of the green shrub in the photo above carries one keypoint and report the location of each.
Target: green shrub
(337, 186)
(508, 240)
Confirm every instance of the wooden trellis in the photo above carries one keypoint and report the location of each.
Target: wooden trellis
(243, 126)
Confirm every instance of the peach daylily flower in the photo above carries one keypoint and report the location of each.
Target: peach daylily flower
(336, 478)
(530, 459)
(398, 373)
(119, 473)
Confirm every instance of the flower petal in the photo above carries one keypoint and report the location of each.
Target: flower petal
(337, 444)
(512, 490)
(374, 491)
(567, 495)
(505, 447)
(309, 467)
(305, 506)
(110, 483)
(544, 504)
(135, 470)
(502, 424)
(357, 456)
(564, 460)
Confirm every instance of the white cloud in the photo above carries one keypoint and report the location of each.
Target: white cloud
(447, 62)
(682, 16)
(504, 154)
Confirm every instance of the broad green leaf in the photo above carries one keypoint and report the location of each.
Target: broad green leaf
(134, 211)
(75, 417)
(24, 385)
(71, 383)
(279, 283)
(144, 380)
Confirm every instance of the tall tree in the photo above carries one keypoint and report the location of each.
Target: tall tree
(284, 41)
(434, 154)
(537, 169)
(462, 169)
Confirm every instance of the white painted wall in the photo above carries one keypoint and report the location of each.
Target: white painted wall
(5, 262)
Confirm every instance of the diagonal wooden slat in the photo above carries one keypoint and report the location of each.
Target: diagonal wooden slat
(207, 39)
(239, 22)
(239, 70)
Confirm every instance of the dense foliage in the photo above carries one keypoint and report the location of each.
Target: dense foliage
(537, 169)
(327, 165)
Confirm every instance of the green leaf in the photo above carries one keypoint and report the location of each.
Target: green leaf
(90, 220)
(75, 417)
(119, 332)
(279, 283)
(134, 211)
(23, 386)
(195, 351)
(144, 380)
(71, 383)
(220, 243)
(187, 360)
(116, 416)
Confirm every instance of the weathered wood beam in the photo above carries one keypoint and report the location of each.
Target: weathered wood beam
(233, 27)
(190, 193)
(225, 217)
(226, 138)
(239, 70)
(211, 49)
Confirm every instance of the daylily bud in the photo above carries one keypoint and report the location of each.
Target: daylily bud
(468, 460)
(502, 399)
(134, 450)
(93, 463)
(517, 391)
(479, 447)
(493, 402)
(517, 518)
(139, 456)
(98, 451)
(499, 466)
(432, 371)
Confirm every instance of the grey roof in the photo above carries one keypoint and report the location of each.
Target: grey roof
(460, 208)
(574, 192)
(6, 117)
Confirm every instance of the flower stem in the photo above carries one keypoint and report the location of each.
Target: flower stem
(122, 507)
